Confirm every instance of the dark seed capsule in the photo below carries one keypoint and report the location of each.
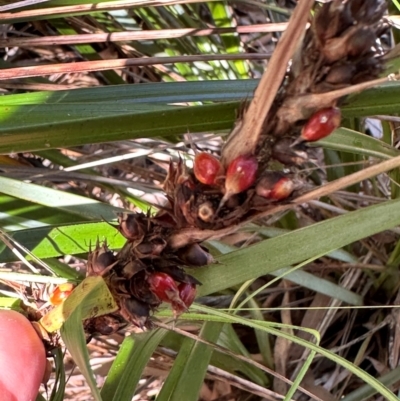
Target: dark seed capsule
(194, 255)
(135, 311)
(132, 226)
(105, 325)
(153, 248)
(100, 261)
(341, 74)
(132, 267)
(284, 152)
(178, 274)
(360, 42)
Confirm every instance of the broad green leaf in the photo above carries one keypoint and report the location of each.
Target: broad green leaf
(273, 328)
(190, 367)
(230, 340)
(297, 246)
(347, 140)
(304, 278)
(154, 93)
(127, 368)
(88, 209)
(28, 128)
(383, 99)
(49, 242)
(366, 392)
(18, 214)
(11, 303)
(90, 299)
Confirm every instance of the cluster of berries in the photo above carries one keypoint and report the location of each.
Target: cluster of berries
(241, 173)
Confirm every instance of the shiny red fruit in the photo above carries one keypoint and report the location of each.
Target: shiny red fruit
(61, 293)
(187, 293)
(274, 185)
(321, 124)
(164, 287)
(241, 174)
(206, 168)
(267, 182)
(282, 189)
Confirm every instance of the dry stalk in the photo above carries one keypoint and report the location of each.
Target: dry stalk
(246, 136)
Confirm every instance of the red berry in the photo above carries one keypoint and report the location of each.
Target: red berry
(282, 189)
(164, 287)
(187, 293)
(241, 174)
(206, 168)
(274, 185)
(61, 293)
(267, 182)
(321, 124)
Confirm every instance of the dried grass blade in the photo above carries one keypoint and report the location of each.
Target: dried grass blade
(137, 35)
(102, 65)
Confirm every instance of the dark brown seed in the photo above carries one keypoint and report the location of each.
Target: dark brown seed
(153, 248)
(100, 261)
(138, 287)
(133, 267)
(105, 325)
(360, 42)
(132, 226)
(335, 49)
(367, 11)
(135, 311)
(288, 155)
(194, 255)
(341, 74)
(339, 17)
